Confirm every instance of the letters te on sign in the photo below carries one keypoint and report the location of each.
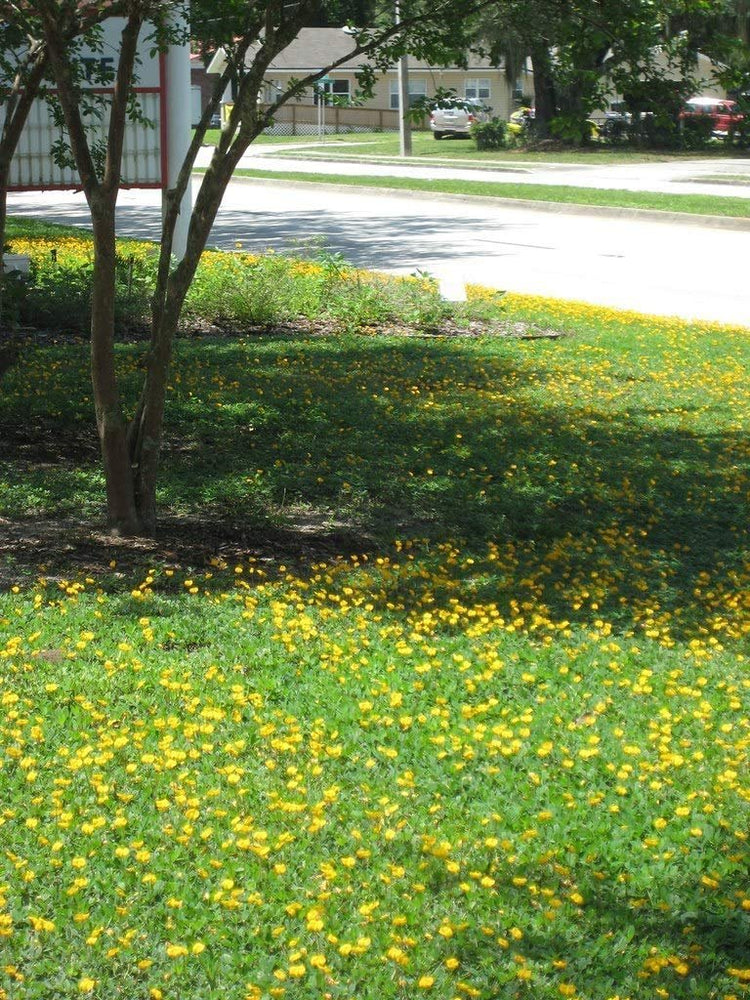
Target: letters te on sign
(145, 149)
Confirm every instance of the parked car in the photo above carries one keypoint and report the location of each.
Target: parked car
(724, 114)
(521, 120)
(456, 118)
(616, 125)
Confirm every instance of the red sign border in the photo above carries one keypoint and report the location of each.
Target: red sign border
(161, 90)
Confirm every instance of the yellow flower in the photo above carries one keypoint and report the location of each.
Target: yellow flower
(41, 924)
(426, 982)
(86, 984)
(397, 955)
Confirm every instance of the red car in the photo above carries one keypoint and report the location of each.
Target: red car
(725, 114)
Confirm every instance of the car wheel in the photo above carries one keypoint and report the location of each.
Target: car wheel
(438, 135)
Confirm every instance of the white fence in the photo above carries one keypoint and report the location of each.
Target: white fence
(305, 119)
(34, 166)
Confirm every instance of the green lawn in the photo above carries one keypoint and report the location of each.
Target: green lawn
(690, 204)
(494, 746)
(376, 147)
(464, 151)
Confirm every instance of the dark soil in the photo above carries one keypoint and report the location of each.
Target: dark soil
(66, 548)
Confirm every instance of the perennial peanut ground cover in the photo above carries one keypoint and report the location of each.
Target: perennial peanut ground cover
(501, 751)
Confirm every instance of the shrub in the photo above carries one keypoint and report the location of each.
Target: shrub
(572, 129)
(740, 134)
(239, 289)
(234, 290)
(490, 135)
(696, 132)
(357, 299)
(57, 294)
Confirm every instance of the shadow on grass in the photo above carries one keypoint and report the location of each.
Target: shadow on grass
(290, 447)
(684, 953)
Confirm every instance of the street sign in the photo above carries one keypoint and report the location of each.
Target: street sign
(159, 90)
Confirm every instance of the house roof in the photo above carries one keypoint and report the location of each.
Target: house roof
(317, 47)
(314, 48)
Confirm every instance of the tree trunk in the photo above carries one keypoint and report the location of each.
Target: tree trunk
(110, 421)
(4, 175)
(17, 107)
(145, 433)
(544, 89)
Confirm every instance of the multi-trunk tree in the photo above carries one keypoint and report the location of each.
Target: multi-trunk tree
(252, 35)
(568, 44)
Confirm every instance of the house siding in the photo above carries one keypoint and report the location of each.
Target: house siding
(316, 46)
(429, 81)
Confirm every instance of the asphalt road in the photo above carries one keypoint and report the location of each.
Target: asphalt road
(665, 268)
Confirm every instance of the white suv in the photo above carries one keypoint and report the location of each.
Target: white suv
(456, 117)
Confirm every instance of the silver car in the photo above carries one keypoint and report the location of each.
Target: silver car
(456, 118)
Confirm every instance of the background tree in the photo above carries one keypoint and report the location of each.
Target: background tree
(251, 35)
(23, 64)
(580, 51)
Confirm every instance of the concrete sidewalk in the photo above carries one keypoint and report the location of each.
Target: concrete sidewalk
(717, 177)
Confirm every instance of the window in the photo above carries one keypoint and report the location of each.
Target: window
(333, 88)
(477, 90)
(337, 88)
(417, 88)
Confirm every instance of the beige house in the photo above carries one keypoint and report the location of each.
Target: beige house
(315, 48)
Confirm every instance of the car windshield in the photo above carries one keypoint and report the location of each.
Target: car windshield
(711, 107)
(459, 104)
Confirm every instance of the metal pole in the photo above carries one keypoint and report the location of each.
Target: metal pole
(404, 125)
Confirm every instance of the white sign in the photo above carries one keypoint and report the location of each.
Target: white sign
(145, 161)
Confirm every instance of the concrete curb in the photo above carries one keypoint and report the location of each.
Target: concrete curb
(557, 207)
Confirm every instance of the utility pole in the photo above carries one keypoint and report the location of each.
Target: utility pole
(404, 124)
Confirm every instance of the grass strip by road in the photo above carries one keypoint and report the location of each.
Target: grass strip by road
(687, 204)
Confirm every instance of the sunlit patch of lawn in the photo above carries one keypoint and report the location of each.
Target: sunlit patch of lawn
(501, 752)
